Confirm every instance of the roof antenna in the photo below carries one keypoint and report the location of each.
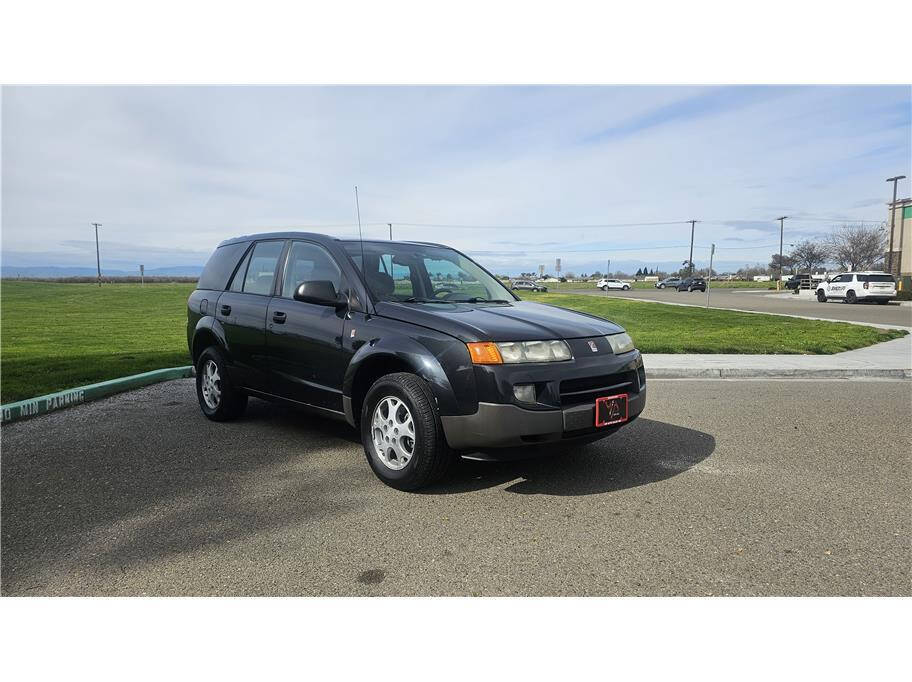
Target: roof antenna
(360, 236)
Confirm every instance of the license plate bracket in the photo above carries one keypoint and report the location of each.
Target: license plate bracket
(611, 409)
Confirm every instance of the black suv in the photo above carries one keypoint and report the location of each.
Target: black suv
(419, 347)
(692, 284)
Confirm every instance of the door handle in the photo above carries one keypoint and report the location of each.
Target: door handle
(278, 317)
(226, 309)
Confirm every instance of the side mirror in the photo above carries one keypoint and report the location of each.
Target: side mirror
(319, 292)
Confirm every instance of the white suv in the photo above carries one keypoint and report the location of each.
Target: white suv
(852, 287)
(606, 284)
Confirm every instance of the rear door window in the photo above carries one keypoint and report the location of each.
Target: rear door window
(261, 268)
(876, 278)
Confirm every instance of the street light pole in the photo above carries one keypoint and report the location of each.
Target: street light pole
(781, 220)
(97, 252)
(893, 217)
(691, 259)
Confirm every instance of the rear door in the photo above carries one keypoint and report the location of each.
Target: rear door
(242, 312)
(307, 358)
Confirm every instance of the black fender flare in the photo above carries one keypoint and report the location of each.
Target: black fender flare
(403, 352)
(209, 326)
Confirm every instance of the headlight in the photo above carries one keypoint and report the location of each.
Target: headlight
(620, 343)
(514, 352)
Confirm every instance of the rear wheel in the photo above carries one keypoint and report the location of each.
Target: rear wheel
(218, 399)
(821, 297)
(401, 432)
(851, 297)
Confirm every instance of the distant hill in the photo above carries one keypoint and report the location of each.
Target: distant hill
(54, 272)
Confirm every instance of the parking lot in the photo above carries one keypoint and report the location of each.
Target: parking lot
(723, 487)
(762, 301)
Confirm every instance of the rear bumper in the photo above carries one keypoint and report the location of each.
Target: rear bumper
(497, 425)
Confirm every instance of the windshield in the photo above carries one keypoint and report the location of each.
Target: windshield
(418, 273)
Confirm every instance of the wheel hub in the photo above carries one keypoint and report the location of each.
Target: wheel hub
(393, 433)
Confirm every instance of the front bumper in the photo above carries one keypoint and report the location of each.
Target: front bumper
(566, 410)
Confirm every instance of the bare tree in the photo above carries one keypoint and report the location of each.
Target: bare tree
(787, 262)
(857, 247)
(808, 255)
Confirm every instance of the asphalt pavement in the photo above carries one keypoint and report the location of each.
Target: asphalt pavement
(764, 301)
(723, 487)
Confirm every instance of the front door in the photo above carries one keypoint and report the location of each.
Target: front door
(304, 340)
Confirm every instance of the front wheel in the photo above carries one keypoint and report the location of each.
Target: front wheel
(401, 432)
(626, 288)
(218, 399)
(821, 297)
(605, 288)
(851, 297)
(882, 302)
(661, 286)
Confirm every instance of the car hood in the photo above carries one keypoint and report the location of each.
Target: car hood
(517, 321)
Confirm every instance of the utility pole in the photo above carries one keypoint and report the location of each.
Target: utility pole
(893, 218)
(781, 220)
(607, 275)
(97, 252)
(391, 231)
(690, 260)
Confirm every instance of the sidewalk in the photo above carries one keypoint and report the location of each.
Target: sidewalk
(890, 359)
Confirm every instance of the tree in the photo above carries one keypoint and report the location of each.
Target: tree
(787, 262)
(808, 255)
(639, 272)
(857, 247)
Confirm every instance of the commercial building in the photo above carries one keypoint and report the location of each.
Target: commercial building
(899, 259)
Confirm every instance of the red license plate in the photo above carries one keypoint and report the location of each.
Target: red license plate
(611, 409)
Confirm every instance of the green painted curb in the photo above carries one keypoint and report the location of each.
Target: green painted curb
(32, 407)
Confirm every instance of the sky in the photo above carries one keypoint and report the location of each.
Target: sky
(515, 176)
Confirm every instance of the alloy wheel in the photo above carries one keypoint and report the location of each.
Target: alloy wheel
(393, 433)
(211, 385)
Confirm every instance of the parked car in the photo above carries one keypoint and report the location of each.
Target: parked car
(606, 284)
(668, 282)
(357, 331)
(692, 284)
(803, 281)
(527, 285)
(853, 287)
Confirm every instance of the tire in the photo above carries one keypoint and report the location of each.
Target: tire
(626, 288)
(605, 288)
(430, 458)
(882, 302)
(218, 399)
(661, 286)
(690, 290)
(821, 297)
(851, 297)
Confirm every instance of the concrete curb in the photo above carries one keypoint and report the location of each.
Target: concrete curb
(32, 407)
(784, 373)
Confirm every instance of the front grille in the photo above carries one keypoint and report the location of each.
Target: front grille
(587, 389)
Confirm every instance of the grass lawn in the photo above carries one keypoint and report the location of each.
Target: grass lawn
(57, 336)
(658, 328)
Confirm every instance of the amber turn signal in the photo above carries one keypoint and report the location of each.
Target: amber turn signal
(485, 353)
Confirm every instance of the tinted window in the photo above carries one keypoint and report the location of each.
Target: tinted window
(220, 266)
(875, 278)
(306, 263)
(262, 267)
(237, 283)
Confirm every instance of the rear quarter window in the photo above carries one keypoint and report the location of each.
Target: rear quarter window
(220, 266)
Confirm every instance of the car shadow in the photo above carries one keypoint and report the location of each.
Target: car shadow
(645, 452)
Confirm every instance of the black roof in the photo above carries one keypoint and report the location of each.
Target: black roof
(316, 236)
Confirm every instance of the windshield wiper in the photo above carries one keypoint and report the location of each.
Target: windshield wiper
(479, 299)
(412, 299)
